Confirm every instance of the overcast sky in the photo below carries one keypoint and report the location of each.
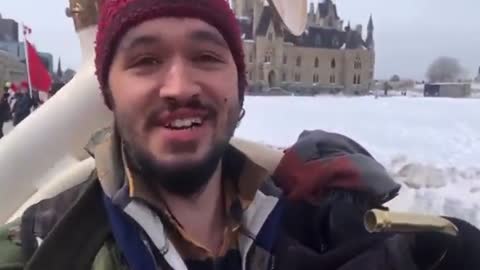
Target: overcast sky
(409, 34)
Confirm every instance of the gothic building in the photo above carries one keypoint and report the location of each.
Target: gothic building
(328, 55)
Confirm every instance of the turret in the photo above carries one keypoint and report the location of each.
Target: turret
(257, 12)
(59, 69)
(311, 14)
(370, 42)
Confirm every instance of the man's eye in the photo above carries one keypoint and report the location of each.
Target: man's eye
(207, 58)
(145, 62)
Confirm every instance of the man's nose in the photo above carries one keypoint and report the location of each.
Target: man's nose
(179, 82)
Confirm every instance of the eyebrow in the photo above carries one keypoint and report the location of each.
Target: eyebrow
(140, 41)
(208, 36)
(196, 36)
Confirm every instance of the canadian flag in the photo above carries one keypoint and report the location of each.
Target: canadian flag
(38, 73)
(26, 30)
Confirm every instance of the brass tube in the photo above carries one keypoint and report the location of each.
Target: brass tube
(84, 12)
(385, 221)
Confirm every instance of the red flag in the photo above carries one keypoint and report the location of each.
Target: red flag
(39, 76)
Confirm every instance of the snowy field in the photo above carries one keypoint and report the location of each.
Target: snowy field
(430, 145)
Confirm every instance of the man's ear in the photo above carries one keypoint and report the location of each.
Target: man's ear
(240, 116)
(108, 98)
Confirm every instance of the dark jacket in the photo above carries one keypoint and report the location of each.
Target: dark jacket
(4, 108)
(22, 106)
(74, 230)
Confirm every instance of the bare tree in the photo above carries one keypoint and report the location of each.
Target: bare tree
(395, 78)
(444, 69)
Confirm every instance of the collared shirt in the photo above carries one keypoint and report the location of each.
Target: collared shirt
(243, 179)
(185, 243)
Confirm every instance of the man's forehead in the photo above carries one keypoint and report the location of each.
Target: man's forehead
(163, 28)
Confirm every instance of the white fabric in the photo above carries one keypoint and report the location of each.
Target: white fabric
(253, 220)
(153, 226)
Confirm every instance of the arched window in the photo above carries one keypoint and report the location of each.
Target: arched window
(316, 62)
(333, 63)
(332, 78)
(284, 59)
(299, 61)
(357, 64)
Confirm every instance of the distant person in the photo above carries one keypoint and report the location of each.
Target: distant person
(4, 112)
(36, 101)
(22, 107)
(386, 87)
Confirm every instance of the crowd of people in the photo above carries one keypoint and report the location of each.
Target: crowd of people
(16, 105)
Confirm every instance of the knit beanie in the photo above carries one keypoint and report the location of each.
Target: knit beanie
(118, 16)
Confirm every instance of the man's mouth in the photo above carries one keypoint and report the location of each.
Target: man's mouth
(184, 123)
(183, 119)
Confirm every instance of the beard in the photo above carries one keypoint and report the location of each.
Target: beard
(184, 179)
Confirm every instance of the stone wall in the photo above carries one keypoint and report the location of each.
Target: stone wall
(11, 70)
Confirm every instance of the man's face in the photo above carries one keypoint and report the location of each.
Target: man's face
(174, 87)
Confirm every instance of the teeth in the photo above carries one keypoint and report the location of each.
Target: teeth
(185, 123)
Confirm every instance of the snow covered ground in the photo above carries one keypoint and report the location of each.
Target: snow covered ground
(430, 145)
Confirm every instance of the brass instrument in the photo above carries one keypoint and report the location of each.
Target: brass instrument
(384, 221)
(84, 13)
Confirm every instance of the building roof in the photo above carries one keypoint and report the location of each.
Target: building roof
(318, 37)
(323, 9)
(315, 36)
(265, 19)
(246, 26)
(354, 40)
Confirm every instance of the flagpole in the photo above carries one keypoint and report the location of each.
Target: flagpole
(27, 61)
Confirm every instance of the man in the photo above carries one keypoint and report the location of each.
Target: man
(4, 111)
(170, 192)
(22, 106)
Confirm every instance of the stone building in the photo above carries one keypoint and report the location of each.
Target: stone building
(8, 30)
(11, 69)
(328, 56)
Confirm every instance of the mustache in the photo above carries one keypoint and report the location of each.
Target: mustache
(170, 106)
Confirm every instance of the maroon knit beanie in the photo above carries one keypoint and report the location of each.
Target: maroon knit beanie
(118, 16)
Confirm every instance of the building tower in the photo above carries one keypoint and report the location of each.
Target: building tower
(59, 70)
(370, 41)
